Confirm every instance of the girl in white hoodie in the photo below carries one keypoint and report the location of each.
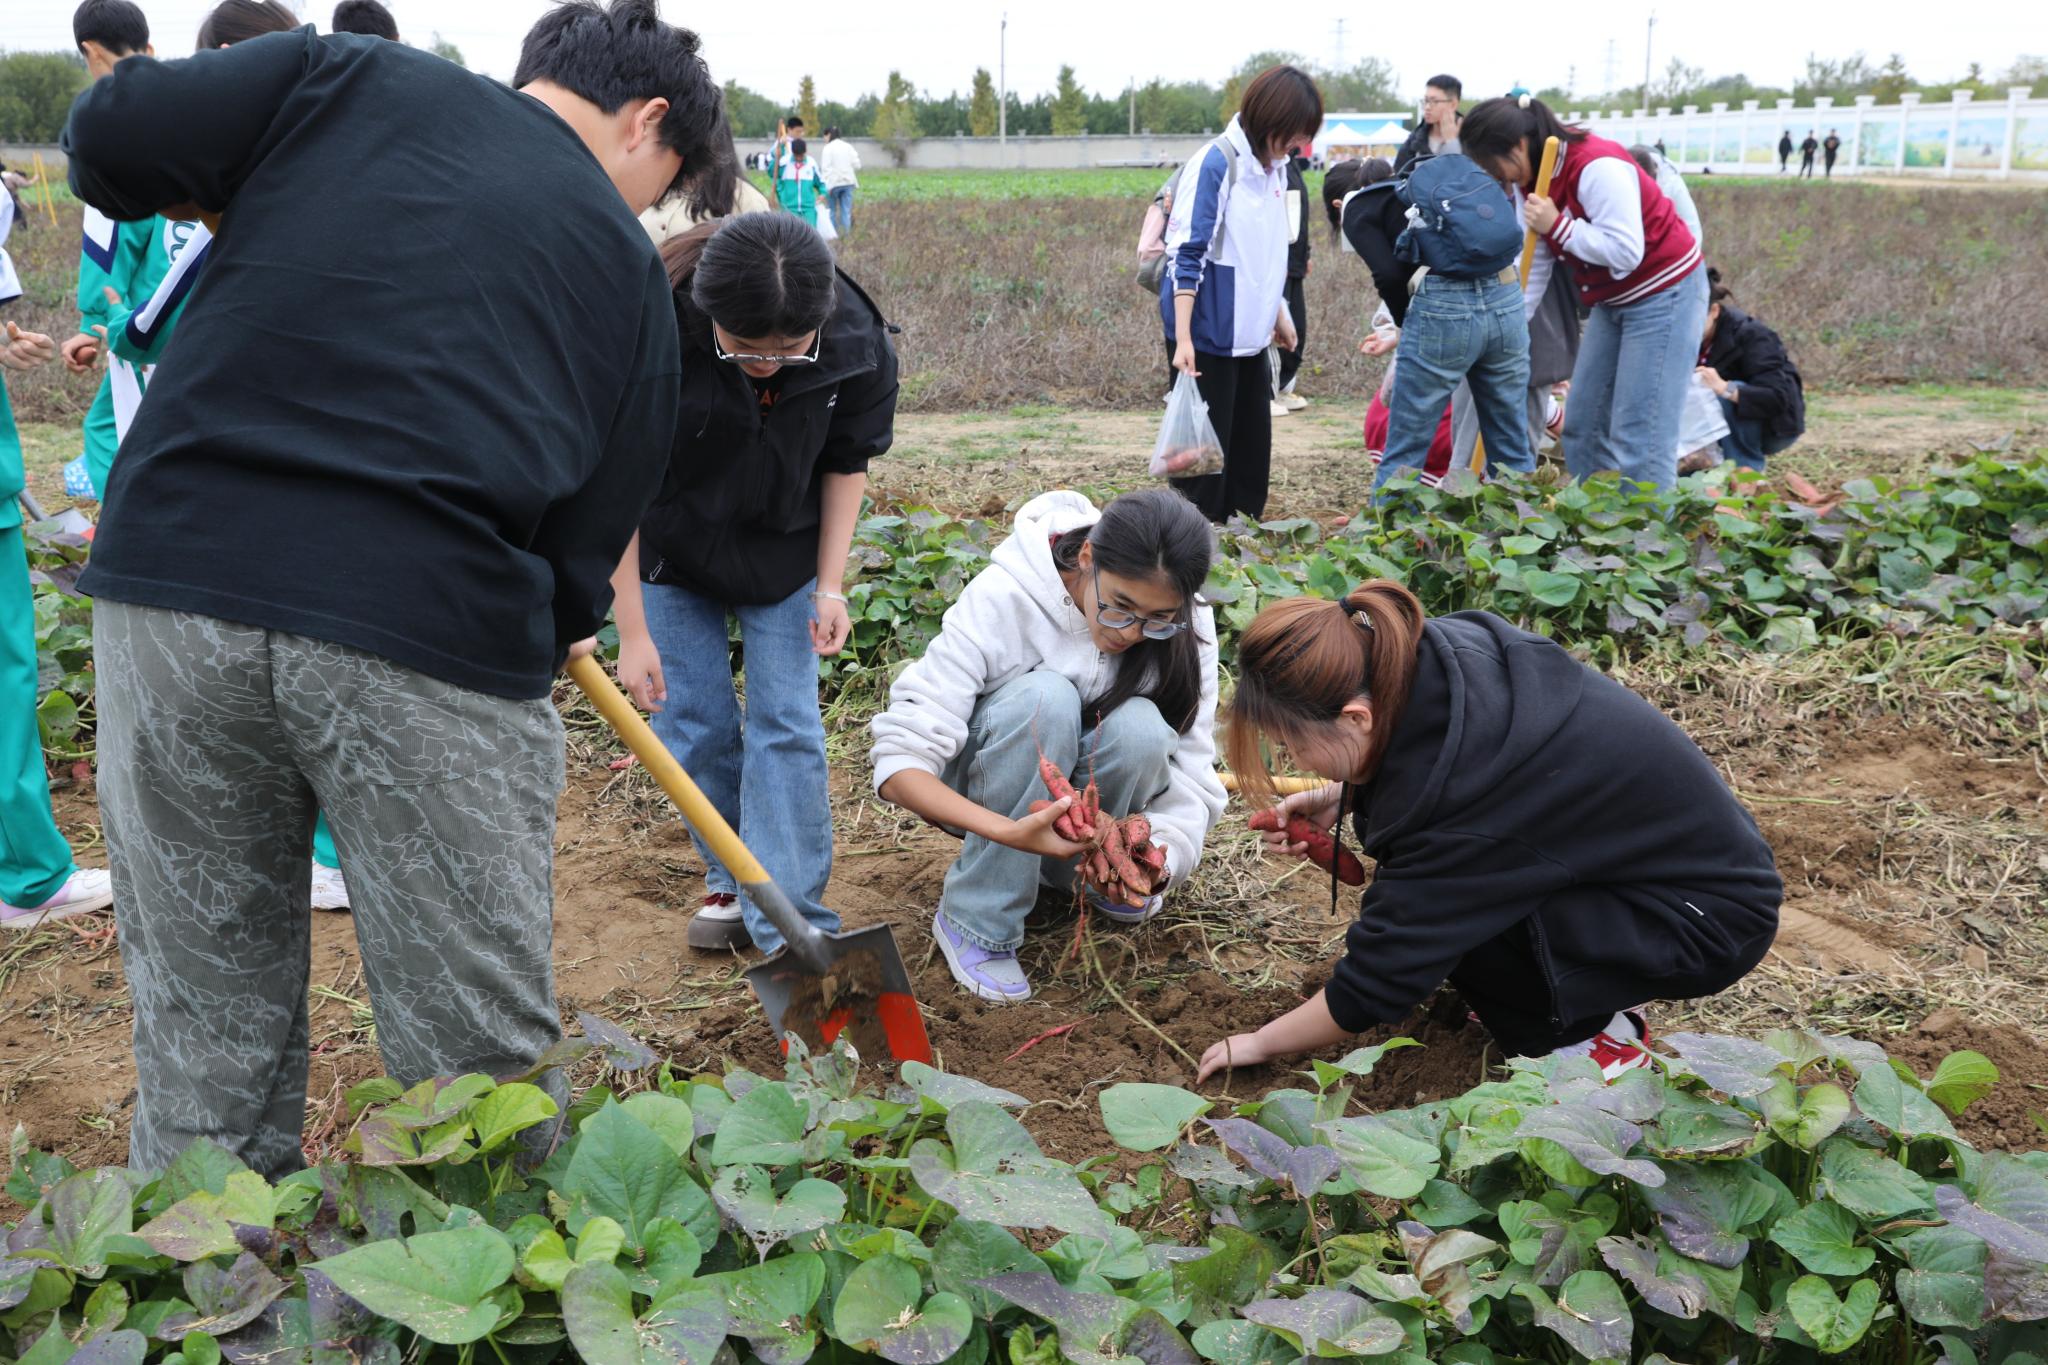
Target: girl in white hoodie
(1085, 637)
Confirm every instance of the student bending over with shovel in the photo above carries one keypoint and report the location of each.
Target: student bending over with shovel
(1548, 841)
(1083, 646)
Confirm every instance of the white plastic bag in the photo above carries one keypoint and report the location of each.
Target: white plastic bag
(1701, 423)
(825, 227)
(1187, 447)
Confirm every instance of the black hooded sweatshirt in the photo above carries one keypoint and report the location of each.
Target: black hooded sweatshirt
(1531, 808)
(737, 520)
(1746, 351)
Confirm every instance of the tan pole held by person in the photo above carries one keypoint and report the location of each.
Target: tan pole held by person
(1543, 174)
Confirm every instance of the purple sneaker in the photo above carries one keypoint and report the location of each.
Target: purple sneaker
(88, 890)
(1116, 912)
(990, 975)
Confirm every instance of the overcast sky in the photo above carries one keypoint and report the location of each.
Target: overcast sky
(1489, 44)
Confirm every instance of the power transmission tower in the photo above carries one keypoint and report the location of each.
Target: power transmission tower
(1607, 77)
(1339, 46)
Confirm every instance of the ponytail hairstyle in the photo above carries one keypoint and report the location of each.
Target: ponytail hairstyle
(1347, 176)
(1152, 535)
(1303, 660)
(1717, 290)
(757, 275)
(1492, 130)
(237, 21)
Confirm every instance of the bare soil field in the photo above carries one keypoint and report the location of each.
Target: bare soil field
(1910, 821)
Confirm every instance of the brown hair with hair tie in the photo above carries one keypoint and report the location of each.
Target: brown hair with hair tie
(1303, 660)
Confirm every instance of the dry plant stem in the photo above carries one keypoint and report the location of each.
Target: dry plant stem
(1096, 961)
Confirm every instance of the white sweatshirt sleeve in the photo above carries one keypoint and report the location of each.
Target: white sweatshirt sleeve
(1611, 232)
(1194, 797)
(931, 701)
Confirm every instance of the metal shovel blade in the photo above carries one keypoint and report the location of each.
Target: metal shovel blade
(860, 988)
(819, 984)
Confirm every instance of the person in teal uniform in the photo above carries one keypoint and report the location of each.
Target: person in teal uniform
(39, 880)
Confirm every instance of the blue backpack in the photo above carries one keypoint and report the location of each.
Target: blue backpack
(1461, 223)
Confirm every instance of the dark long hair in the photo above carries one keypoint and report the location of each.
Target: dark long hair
(756, 275)
(1302, 660)
(237, 21)
(1344, 177)
(1493, 128)
(1154, 534)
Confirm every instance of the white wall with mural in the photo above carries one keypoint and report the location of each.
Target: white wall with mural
(1960, 138)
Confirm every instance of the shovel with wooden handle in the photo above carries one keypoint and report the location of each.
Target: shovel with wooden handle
(818, 985)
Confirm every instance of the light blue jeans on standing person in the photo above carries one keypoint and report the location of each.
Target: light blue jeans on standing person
(1470, 330)
(1746, 443)
(764, 770)
(839, 202)
(990, 888)
(1628, 387)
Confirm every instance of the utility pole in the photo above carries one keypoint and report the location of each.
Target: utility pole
(1607, 76)
(1339, 63)
(1134, 106)
(1003, 81)
(1571, 80)
(1649, 37)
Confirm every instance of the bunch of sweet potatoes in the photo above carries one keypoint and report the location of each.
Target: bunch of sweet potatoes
(1120, 860)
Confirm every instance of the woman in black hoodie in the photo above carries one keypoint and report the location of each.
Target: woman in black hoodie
(788, 390)
(1745, 363)
(1546, 840)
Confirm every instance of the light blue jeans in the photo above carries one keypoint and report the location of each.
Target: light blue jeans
(764, 771)
(1470, 330)
(1745, 442)
(990, 888)
(839, 203)
(1628, 387)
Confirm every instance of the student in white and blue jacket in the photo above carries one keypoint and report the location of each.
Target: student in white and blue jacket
(1224, 301)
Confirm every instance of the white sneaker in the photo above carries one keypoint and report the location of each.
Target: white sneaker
(87, 890)
(718, 924)
(330, 892)
(1278, 408)
(1294, 401)
(1621, 1047)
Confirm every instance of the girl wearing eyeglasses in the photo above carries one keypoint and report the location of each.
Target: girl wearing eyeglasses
(788, 390)
(1084, 639)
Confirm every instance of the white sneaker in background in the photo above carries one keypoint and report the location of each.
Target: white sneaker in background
(87, 890)
(330, 892)
(1293, 401)
(1278, 408)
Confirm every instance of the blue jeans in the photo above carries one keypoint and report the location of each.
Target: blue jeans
(766, 774)
(1628, 387)
(1460, 329)
(1745, 442)
(839, 203)
(990, 888)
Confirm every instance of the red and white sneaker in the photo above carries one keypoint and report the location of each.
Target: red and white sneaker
(1624, 1045)
(717, 925)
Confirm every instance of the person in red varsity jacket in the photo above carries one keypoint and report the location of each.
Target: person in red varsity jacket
(1635, 265)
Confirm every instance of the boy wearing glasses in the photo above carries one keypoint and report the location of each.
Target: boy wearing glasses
(1438, 132)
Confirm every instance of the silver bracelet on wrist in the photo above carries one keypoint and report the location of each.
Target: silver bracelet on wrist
(833, 596)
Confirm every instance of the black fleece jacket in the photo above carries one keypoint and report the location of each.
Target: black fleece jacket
(737, 519)
(1747, 352)
(1526, 796)
(1372, 221)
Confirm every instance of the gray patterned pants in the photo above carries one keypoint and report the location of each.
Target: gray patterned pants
(217, 744)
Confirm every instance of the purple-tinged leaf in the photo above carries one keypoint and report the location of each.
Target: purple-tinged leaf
(1307, 1169)
(1599, 1142)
